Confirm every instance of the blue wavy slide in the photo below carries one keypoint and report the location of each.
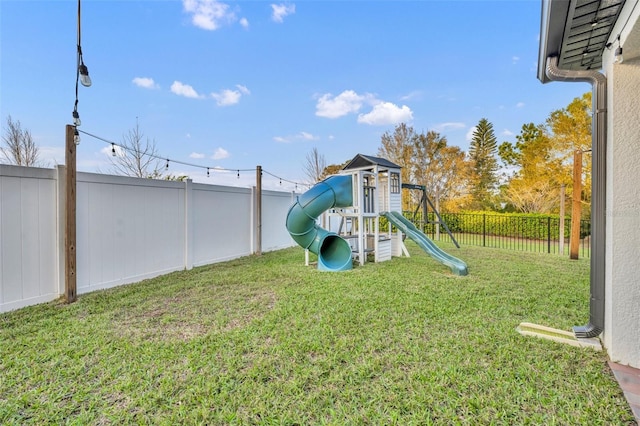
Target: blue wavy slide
(456, 265)
(334, 252)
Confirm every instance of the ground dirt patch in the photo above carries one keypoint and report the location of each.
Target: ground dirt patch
(194, 312)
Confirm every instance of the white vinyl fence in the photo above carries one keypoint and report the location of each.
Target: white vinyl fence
(128, 229)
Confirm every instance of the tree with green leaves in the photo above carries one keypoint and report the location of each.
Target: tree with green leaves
(19, 147)
(570, 129)
(542, 158)
(334, 169)
(398, 148)
(482, 155)
(441, 168)
(427, 160)
(535, 184)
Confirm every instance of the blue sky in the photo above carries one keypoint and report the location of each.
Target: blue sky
(236, 84)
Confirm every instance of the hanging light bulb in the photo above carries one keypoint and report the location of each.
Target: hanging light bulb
(617, 56)
(167, 166)
(113, 149)
(76, 118)
(84, 75)
(207, 172)
(76, 137)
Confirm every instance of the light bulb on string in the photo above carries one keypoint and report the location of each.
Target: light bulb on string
(167, 165)
(76, 137)
(617, 54)
(84, 75)
(618, 58)
(76, 118)
(113, 149)
(207, 172)
(238, 174)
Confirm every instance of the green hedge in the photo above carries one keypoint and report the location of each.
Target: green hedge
(530, 226)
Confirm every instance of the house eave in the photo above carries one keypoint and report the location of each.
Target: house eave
(552, 25)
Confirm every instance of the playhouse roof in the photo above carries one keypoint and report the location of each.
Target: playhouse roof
(361, 160)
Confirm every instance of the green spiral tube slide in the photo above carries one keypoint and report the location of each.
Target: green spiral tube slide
(334, 253)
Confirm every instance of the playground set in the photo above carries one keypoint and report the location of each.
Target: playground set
(351, 204)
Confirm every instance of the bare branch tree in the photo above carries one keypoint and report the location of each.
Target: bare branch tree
(315, 165)
(19, 147)
(137, 156)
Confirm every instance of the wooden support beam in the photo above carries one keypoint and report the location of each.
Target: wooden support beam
(562, 214)
(70, 213)
(576, 207)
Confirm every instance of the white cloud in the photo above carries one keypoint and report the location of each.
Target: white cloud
(220, 154)
(520, 105)
(507, 132)
(185, 90)
(469, 134)
(279, 11)
(244, 23)
(416, 94)
(347, 102)
(228, 97)
(145, 82)
(515, 59)
(208, 14)
(243, 89)
(451, 125)
(386, 113)
(196, 155)
(305, 136)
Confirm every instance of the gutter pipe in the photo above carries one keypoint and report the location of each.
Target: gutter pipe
(598, 189)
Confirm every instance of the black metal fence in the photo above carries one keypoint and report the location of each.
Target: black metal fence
(534, 233)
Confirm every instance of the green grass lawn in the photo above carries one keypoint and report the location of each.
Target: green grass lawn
(267, 340)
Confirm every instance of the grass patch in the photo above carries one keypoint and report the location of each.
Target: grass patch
(266, 340)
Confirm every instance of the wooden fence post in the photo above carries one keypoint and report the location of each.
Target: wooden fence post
(576, 208)
(70, 283)
(561, 233)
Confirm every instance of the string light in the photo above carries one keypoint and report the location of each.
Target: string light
(167, 166)
(618, 53)
(82, 76)
(76, 136)
(76, 118)
(209, 169)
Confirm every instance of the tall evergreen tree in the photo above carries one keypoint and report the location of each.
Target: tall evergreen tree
(482, 154)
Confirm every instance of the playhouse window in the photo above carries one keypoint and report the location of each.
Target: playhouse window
(395, 183)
